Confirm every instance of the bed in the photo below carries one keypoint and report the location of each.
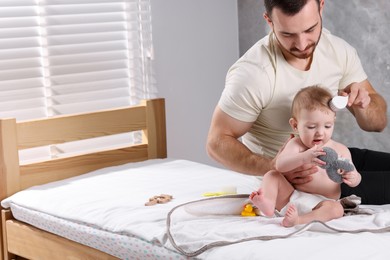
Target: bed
(132, 202)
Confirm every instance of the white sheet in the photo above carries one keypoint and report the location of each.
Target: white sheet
(115, 198)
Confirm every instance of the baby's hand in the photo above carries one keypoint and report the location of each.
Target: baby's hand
(311, 156)
(352, 178)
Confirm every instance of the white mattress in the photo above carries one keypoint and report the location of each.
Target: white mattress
(109, 204)
(116, 244)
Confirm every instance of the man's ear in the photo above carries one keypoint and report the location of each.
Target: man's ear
(268, 20)
(293, 123)
(322, 3)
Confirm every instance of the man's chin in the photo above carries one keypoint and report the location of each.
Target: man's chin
(301, 55)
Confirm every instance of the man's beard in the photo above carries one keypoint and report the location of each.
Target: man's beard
(298, 54)
(305, 54)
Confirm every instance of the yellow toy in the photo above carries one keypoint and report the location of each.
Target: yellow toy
(248, 211)
(227, 190)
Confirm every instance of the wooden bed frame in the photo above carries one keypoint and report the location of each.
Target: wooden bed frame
(21, 240)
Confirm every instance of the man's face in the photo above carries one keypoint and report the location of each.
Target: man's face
(299, 34)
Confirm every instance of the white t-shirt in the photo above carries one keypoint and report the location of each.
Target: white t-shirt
(261, 85)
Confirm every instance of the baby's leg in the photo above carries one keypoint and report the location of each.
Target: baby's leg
(291, 218)
(324, 211)
(266, 206)
(275, 193)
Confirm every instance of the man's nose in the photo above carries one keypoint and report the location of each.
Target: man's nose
(301, 42)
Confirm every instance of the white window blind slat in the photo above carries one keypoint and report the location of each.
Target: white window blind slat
(88, 57)
(15, 64)
(25, 114)
(20, 53)
(20, 84)
(20, 73)
(90, 106)
(10, 96)
(31, 102)
(90, 86)
(76, 69)
(17, 22)
(85, 38)
(18, 11)
(90, 28)
(86, 77)
(86, 48)
(75, 2)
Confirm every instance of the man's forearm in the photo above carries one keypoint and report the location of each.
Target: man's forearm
(374, 117)
(237, 157)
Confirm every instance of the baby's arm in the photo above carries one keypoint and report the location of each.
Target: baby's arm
(294, 155)
(351, 178)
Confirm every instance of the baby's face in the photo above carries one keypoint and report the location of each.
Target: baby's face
(315, 127)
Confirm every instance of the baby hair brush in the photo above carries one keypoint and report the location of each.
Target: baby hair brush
(338, 102)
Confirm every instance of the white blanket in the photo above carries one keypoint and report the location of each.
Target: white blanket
(197, 226)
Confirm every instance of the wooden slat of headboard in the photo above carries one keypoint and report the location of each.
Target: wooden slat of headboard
(9, 158)
(155, 133)
(62, 168)
(63, 129)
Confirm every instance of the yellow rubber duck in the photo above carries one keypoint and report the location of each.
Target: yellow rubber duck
(248, 211)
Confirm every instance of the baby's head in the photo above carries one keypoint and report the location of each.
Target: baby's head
(312, 116)
(311, 98)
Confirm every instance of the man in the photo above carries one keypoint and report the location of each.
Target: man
(255, 104)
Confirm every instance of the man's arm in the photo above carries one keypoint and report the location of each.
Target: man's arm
(223, 145)
(368, 107)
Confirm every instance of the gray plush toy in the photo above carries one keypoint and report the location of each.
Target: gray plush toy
(334, 164)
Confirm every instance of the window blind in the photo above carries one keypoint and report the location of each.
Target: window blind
(70, 56)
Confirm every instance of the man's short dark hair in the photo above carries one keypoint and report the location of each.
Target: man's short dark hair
(288, 7)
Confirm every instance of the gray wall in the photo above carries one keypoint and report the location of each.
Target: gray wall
(195, 42)
(365, 24)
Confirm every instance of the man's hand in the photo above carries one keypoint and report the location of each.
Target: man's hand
(368, 107)
(301, 175)
(358, 96)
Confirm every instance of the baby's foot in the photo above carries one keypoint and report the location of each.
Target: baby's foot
(262, 203)
(291, 217)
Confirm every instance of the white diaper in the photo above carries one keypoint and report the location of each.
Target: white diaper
(304, 202)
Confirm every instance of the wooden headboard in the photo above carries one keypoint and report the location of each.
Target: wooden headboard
(149, 117)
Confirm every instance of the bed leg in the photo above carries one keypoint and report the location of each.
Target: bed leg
(5, 255)
(1, 237)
